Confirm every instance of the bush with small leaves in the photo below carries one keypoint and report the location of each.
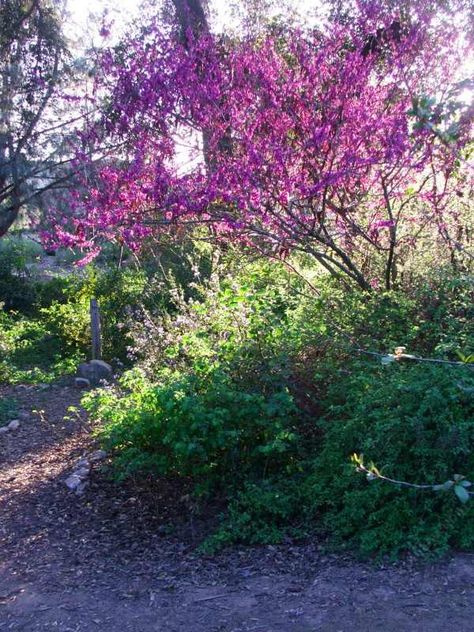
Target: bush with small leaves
(417, 424)
(203, 426)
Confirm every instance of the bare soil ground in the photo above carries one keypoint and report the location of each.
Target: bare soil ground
(106, 561)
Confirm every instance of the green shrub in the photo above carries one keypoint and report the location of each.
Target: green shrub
(45, 323)
(252, 385)
(16, 291)
(417, 424)
(30, 352)
(261, 513)
(49, 291)
(249, 384)
(203, 427)
(68, 323)
(21, 288)
(241, 323)
(120, 293)
(434, 318)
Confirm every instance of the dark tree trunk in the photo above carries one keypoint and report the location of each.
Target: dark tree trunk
(7, 217)
(191, 18)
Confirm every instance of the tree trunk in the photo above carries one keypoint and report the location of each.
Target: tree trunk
(191, 18)
(7, 217)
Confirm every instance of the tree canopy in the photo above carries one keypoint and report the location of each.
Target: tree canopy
(343, 141)
(33, 61)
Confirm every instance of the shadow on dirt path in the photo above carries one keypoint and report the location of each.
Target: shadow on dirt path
(105, 561)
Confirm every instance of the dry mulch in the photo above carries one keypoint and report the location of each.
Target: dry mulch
(122, 557)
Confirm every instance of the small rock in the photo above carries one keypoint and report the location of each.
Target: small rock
(82, 382)
(101, 369)
(82, 463)
(84, 370)
(24, 415)
(4, 429)
(98, 455)
(14, 424)
(80, 489)
(73, 482)
(95, 371)
(83, 472)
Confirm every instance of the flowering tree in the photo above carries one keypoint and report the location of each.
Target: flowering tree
(341, 142)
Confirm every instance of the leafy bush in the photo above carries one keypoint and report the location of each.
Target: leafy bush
(249, 385)
(48, 291)
(241, 323)
(120, 293)
(417, 424)
(69, 323)
(48, 336)
(254, 386)
(262, 513)
(435, 317)
(16, 292)
(31, 352)
(201, 426)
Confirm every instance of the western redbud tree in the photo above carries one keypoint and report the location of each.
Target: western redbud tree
(344, 142)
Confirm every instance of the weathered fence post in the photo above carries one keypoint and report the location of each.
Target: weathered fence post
(95, 330)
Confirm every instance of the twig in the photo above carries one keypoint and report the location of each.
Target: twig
(209, 598)
(458, 484)
(407, 356)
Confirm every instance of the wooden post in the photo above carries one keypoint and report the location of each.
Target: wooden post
(95, 330)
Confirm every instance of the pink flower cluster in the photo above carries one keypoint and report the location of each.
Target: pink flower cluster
(309, 139)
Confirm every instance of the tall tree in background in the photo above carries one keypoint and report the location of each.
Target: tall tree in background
(33, 61)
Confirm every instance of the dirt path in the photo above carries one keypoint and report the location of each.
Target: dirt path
(106, 561)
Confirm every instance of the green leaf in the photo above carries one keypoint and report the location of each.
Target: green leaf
(461, 493)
